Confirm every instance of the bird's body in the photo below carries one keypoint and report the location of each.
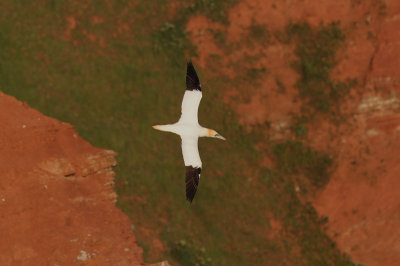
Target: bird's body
(184, 129)
(189, 129)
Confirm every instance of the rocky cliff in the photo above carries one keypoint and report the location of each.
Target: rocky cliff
(57, 203)
(361, 200)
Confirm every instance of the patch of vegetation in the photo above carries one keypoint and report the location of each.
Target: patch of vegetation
(254, 73)
(216, 10)
(300, 130)
(172, 40)
(145, 248)
(382, 8)
(187, 254)
(219, 37)
(171, 37)
(299, 125)
(310, 233)
(303, 227)
(294, 158)
(316, 50)
(248, 74)
(259, 33)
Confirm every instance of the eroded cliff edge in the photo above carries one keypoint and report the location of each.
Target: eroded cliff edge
(57, 203)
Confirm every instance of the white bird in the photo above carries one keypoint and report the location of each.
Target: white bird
(189, 129)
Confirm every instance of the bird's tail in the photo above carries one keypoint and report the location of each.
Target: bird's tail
(162, 127)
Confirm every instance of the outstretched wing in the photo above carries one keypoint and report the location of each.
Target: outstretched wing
(192, 181)
(192, 97)
(191, 157)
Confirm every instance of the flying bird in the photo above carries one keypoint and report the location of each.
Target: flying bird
(189, 129)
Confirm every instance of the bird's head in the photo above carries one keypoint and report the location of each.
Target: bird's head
(214, 134)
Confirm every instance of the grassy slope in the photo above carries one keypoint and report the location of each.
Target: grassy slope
(113, 94)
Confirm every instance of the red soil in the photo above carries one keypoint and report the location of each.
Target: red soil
(362, 199)
(57, 203)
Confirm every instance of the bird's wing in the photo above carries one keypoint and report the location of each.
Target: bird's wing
(192, 97)
(192, 161)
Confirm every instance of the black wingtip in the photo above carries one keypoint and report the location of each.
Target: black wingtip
(192, 80)
(192, 181)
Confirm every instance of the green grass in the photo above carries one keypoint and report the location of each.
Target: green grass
(294, 158)
(316, 51)
(188, 254)
(114, 92)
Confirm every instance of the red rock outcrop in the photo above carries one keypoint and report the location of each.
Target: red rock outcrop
(362, 199)
(57, 204)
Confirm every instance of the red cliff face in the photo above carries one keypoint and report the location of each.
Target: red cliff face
(57, 203)
(362, 198)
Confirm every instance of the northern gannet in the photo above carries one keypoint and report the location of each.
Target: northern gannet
(189, 129)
